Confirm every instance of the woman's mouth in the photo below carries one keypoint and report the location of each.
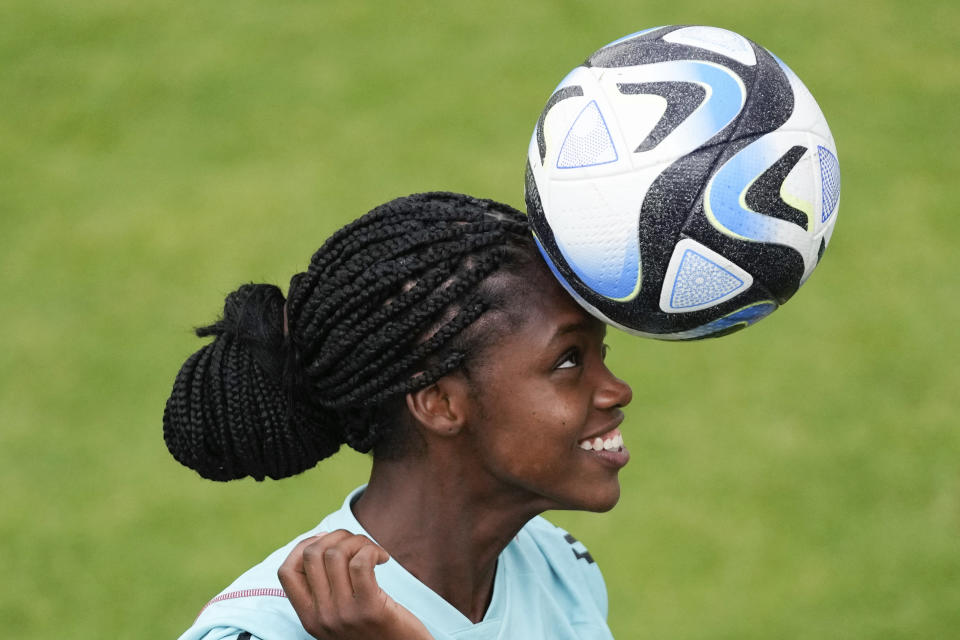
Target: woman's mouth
(608, 447)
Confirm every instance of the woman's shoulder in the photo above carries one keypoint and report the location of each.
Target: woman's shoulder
(255, 602)
(563, 567)
(554, 540)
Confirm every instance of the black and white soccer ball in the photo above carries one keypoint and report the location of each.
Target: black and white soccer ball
(682, 183)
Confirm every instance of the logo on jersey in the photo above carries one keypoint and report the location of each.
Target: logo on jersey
(581, 555)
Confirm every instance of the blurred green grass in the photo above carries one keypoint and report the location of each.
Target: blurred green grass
(799, 480)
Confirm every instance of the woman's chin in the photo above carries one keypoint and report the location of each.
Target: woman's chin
(599, 501)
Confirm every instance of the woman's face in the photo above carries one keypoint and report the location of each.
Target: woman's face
(547, 411)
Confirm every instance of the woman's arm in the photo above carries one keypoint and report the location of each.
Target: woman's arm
(330, 582)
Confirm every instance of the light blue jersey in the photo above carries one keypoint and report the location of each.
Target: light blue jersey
(547, 586)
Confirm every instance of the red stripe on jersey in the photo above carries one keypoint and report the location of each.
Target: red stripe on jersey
(245, 593)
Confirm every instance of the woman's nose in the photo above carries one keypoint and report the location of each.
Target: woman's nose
(613, 392)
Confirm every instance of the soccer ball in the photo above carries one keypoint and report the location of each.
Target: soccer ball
(682, 183)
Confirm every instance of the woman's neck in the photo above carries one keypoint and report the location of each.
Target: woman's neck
(443, 526)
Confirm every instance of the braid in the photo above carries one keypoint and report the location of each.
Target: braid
(383, 309)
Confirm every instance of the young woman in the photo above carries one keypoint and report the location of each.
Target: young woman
(431, 333)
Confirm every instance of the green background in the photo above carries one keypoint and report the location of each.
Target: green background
(797, 480)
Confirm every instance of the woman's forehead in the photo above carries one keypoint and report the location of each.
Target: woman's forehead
(537, 306)
(541, 297)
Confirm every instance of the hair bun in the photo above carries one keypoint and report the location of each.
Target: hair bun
(236, 408)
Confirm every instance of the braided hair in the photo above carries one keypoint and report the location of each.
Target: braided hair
(388, 305)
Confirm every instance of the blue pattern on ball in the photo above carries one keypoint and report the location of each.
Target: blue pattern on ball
(588, 142)
(746, 317)
(830, 177)
(700, 281)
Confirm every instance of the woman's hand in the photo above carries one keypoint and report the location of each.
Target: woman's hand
(330, 582)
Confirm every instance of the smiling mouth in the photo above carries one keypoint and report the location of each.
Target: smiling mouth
(610, 441)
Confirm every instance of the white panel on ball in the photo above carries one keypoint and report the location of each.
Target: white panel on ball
(595, 224)
(726, 209)
(700, 278)
(588, 142)
(726, 43)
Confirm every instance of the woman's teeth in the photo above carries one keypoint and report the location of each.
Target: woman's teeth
(613, 443)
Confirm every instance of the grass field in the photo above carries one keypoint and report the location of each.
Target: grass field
(798, 480)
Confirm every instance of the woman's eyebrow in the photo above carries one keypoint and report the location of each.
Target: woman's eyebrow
(585, 325)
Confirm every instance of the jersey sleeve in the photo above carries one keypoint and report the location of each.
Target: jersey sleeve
(590, 571)
(572, 567)
(248, 618)
(255, 604)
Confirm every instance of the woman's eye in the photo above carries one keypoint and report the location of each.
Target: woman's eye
(569, 360)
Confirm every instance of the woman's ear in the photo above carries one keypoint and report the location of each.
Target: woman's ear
(442, 407)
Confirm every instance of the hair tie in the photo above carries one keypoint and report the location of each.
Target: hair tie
(292, 376)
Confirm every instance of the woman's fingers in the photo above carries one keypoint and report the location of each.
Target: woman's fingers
(296, 583)
(339, 554)
(362, 578)
(331, 584)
